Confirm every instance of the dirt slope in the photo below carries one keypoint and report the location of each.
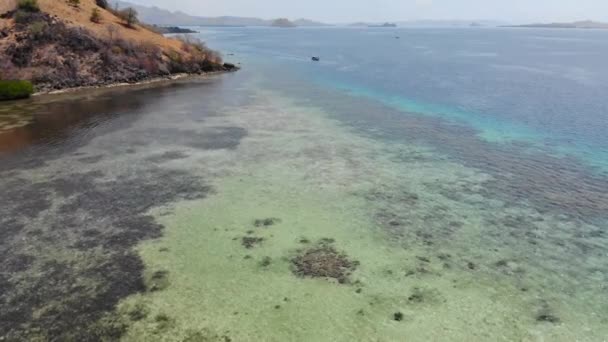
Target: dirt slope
(80, 17)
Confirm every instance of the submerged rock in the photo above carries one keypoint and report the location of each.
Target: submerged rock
(323, 261)
(266, 261)
(546, 314)
(230, 66)
(158, 281)
(267, 222)
(250, 242)
(138, 313)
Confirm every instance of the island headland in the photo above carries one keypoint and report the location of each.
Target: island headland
(58, 45)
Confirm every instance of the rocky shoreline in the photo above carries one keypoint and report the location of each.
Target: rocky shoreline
(143, 82)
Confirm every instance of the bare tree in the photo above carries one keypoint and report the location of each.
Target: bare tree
(129, 16)
(112, 32)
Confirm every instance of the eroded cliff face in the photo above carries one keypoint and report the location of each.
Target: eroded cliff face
(57, 47)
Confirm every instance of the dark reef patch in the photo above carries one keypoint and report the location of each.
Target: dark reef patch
(250, 242)
(92, 230)
(163, 323)
(138, 312)
(267, 222)
(158, 281)
(206, 336)
(266, 261)
(423, 295)
(91, 160)
(323, 261)
(167, 157)
(26, 200)
(546, 314)
(417, 296)
(12, 263)
(9, 228)
(220, 138)
(67, 237)
(212, 138)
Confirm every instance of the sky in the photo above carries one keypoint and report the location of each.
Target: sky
(343, 11)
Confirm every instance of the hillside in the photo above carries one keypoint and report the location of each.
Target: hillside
(163, 17)
(60, 46)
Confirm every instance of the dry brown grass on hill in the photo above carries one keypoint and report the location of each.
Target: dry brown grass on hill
(7, 5)
(81, 17)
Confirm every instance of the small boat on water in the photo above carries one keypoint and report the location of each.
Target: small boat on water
(316, 59)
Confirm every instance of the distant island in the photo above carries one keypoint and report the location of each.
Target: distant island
(383, 25)
(283, 23)
(172, 30)
(309, 23)
(587, 24)
(451, 23)
(163, 17)
(432, 23)
(363, 24)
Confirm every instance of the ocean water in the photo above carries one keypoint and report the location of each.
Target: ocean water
(544, 88)
(449, 185)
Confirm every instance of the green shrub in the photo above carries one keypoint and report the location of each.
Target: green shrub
(129, 16)
(95, 16)
(22, 17)
(12, 90)
(38, 29)
(28, 5)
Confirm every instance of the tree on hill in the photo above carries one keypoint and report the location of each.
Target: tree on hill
(129, 16)
(28, 5)
(95, 16)
(74, 3)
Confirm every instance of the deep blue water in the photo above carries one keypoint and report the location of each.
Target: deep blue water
(543, 88)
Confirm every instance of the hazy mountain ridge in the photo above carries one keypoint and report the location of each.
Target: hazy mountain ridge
(435, 23)
(586, 24)
(163, 17)
(451, 23)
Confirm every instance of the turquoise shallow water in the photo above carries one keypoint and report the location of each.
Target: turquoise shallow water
(445, 187)
(539, 87)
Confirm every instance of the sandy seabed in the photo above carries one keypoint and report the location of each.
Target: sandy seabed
(215, 205)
